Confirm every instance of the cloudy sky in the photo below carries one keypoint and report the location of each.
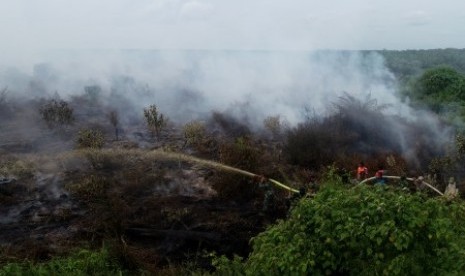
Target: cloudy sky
(238, 24)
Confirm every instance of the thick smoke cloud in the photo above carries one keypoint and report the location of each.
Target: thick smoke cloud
(246, 85)
(190, 84)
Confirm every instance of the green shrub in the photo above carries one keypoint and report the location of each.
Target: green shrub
(84, 262)
(361, 231)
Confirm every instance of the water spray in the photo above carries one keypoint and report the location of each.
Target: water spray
(161, 154)
(187, 158)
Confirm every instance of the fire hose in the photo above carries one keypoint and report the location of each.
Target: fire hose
(401, 178)
(213, 164)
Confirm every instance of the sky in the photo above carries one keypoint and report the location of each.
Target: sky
(235, 25)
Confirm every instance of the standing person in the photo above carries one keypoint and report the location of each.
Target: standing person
(419, 185)
(379, 176)
(362, 171)
(268, 197)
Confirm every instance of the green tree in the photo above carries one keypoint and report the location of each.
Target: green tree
(156, 121)
(442, 89)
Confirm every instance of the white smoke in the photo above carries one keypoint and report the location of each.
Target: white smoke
(190, 84)
(247, 85)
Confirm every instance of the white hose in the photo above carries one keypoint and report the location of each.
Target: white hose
(406, 178)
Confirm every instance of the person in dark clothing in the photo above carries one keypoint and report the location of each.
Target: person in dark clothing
(345, 176)
(268, 192)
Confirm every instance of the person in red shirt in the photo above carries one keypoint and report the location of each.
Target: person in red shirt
(362, 171)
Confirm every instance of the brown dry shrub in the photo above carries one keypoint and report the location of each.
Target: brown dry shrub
(358, 129)
(90, 187)
(242, 154)
(90, 138)
(109, 160)
(194, 133)
(106, 208)
(12, 166)
(112, 190)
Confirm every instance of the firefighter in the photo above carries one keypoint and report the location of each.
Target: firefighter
(379, 176)
(362, 171)
(268, 197)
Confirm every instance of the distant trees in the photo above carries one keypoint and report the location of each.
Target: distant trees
(56, 113)
(412, 63)
(440, 80)
(441, 89)
(156, 121)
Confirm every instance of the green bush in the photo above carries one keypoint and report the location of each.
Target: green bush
(84, 262)
(361, 231)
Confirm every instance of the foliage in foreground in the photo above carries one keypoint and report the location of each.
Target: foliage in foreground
(360, 231)
(84, 262)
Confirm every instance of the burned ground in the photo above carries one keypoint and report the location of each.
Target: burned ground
(152, 213)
